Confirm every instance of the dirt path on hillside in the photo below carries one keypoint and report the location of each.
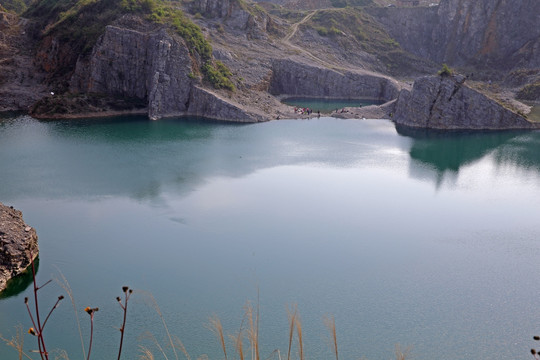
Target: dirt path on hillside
(302, 50)
(294, 27)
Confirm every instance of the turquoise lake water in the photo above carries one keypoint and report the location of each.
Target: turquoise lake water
(426, 239)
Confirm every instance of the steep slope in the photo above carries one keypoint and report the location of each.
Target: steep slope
(20, 82)
(486, 34)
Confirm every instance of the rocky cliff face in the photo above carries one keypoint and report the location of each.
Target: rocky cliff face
(153, 66)
(19, 79)
(156, 67)
(294, 78)
(498, 34)
(446, 102)
(18, 243)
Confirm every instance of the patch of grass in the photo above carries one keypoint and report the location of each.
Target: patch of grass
(445, 71)
(351, 3)
(358, 29)
(529, 92)
(15, 6)
(218, 75)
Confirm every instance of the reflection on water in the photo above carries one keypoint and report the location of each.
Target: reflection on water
(447, 152)
(20, 283)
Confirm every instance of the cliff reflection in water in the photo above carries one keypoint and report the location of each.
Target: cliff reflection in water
(18, 284)
(446, 152)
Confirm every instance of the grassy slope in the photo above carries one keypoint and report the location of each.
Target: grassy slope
(16, 6)
(353, 27)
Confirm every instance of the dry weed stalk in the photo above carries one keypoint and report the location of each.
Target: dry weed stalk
(298, 325)
(38, 326)
(217, 328)
(17, 342)
(67, 288)
(253, 331)
(91, 312)
(157, 309)
(180, 345)
(402, 354)
(291, 316)
(157, 344)
(127, 293)
(330, 323)
(146, 354)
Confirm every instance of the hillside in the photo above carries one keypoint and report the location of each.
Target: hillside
(225, 59)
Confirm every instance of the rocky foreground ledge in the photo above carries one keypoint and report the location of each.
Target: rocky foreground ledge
(17, 242)
(450, 103)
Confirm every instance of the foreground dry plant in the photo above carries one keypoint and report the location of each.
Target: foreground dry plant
(249, 329)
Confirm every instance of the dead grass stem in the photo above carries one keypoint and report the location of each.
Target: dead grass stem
(330, 323)
(217, 328)
(64, 284)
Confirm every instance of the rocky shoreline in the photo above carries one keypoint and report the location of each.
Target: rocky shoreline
(18, 244)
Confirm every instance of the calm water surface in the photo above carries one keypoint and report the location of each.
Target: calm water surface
(418, 238)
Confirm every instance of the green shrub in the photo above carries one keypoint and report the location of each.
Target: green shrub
(322, 31)
(217, 74)
(445, 71)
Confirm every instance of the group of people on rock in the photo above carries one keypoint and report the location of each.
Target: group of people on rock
(303, 111)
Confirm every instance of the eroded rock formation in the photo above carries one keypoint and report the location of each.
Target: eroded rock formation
(18, 243)
(447, 102)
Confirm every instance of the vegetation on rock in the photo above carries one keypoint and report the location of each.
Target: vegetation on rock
(445, 71)
(16, 6)
(355, 28)
(80, 23)
(530, 92)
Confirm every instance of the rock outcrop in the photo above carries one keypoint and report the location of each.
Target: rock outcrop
(153, 66)
(18, 243)
(447, 102)
(497, 34)
(19, 79)
(156, 67)
(236, 15)
(295, 78)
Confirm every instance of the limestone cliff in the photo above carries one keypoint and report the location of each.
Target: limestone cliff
(300, 79)
(447, 102)
(154, 66)
(20, 85)
(18, 243)
(499, 34)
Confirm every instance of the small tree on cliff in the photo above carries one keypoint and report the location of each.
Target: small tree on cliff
(445, 71)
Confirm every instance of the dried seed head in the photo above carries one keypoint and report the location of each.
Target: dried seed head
(26, 300)
(125, 288)
(61, 297)
(537, 338)
(131, 291)
(31, 331)
(89, 310)
(533, 351)
(118, 299)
